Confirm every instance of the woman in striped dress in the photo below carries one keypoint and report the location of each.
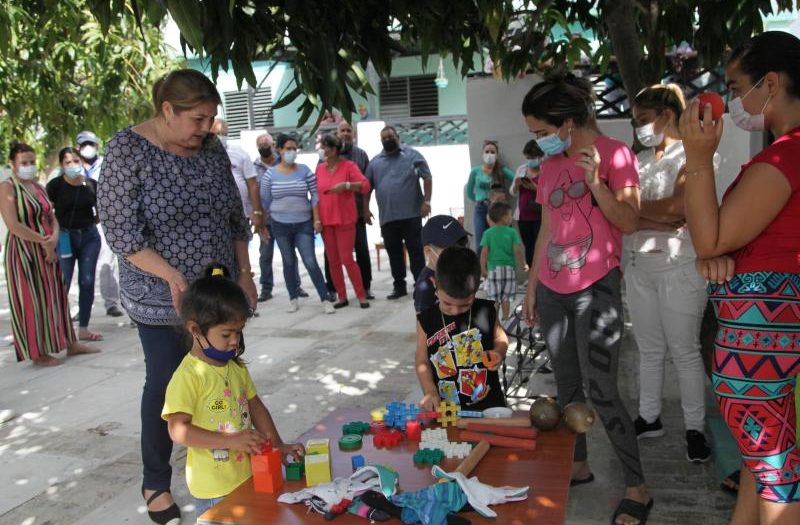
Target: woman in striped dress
(39, 309)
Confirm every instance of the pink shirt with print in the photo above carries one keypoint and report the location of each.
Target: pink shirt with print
(583, 245)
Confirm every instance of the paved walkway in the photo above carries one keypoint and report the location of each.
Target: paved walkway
(71, 457)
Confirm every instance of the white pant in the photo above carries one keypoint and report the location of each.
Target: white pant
(666, 298)
(108, 267)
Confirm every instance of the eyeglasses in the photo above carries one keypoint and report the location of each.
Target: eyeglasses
(575, 191)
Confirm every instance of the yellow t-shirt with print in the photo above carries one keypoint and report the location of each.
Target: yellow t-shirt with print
(216, 398)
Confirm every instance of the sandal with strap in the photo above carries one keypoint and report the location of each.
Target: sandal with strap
(169, 516)
(634, 509)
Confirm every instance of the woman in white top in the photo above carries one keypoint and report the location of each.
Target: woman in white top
(666, 296)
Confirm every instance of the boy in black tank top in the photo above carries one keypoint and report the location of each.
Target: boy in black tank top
(454, 339)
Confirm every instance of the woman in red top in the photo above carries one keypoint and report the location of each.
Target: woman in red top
(757, 349)
(337, 178)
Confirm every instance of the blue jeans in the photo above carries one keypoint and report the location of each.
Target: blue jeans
(299, 235)
(265, 252)
(202, 505)
(85, 249)
(164, 349)
(479, 224)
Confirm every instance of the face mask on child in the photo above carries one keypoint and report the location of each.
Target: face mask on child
(215, 353)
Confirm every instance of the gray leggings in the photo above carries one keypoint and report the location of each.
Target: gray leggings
(583, 331)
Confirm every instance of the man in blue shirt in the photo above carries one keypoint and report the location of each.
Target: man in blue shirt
(394, 175)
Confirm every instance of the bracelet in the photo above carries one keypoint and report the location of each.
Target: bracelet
(258, 212)
(244, 271)
(698, 171)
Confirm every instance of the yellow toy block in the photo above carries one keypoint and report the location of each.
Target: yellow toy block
(377, 415)
(318, 446)
(448, 413)
(318, 469)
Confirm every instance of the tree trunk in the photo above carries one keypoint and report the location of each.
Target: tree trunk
(620, 19)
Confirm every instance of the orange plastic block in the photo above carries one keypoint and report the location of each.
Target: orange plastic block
(267, 471)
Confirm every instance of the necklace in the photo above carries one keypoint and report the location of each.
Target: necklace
(444, 323)
(225, 377)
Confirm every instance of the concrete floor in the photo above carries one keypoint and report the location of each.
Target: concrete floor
(71, 456)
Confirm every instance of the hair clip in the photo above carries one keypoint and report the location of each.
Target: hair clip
(217, 271)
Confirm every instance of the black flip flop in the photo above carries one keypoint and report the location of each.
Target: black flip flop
(731, 483)
(582, 481)
(634, 509)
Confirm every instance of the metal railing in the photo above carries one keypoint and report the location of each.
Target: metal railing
(418, 131)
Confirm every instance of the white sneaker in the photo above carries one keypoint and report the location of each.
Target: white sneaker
(328, 308)
(293, 306)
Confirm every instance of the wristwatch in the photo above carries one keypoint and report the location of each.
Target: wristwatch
(347, 185)
(258, 212)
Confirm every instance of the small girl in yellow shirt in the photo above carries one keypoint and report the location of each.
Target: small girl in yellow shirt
(211, 404)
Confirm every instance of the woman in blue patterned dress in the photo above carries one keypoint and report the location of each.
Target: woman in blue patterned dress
(169, 206)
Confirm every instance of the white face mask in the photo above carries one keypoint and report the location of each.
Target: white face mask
(73, 172)
(88, 152)
(489, 158)
(648, 137)
(742, 118)
(321, 153)
(27, 172)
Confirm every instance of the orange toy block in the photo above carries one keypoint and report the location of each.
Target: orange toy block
(448, 413)
(267, 471)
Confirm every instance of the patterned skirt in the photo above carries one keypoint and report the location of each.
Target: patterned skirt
(756, 362)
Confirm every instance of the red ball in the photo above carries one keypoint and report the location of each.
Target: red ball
(716, 102)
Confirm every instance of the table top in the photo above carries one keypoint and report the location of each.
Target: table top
(545, 470)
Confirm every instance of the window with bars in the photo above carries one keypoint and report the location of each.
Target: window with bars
(403, 97)
(248, 109)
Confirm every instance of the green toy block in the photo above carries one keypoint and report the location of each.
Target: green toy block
(294, 471)
(428, 456)
(355, 427)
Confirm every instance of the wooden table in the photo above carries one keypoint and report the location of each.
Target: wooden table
(546, 470)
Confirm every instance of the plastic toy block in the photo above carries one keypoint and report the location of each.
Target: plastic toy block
(428, 456)
(457, 450)
(377, 414)
(469, 413)
(376, 427)
(318, 446)
(491, 359)
(388, 439)
(294, 471)
(448, 413)
(350, 442)
(357, 462)
(267, 469)
(398, 413)
(413, 430)
(318, 469)
(355, 427)
(427, 415)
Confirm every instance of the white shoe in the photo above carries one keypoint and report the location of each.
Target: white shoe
(7, 415)
(293, 306)
(328, 308)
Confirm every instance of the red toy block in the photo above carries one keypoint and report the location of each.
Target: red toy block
(388, 439)
(267, 469)
(413, 430)
(427, 415)
(376, 427)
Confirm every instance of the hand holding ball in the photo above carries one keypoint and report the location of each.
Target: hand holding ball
(716, 103)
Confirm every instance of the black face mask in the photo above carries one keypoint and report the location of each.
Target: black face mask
(390, 145)
(265, 152)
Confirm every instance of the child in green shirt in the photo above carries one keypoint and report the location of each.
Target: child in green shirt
(502, 254)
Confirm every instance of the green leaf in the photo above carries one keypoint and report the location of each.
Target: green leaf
(189, 18)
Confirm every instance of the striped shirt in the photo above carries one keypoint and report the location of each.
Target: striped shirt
(285, 196)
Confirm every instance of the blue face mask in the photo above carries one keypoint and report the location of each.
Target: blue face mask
(73, 172)
(553, 144)
(215, 353)
(534, 163)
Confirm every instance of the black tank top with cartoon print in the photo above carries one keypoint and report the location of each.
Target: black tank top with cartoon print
(456, 345)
